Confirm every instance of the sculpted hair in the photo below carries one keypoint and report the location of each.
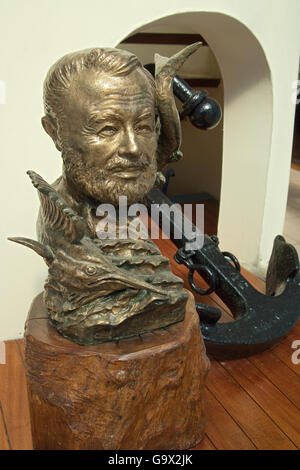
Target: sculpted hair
(115, 62)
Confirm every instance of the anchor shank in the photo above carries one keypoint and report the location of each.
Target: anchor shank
(234, 290)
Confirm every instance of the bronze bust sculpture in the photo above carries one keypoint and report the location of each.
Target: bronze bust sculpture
(116, 128)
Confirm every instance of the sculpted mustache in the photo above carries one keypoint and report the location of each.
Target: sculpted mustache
(71, 160)
(121, 165)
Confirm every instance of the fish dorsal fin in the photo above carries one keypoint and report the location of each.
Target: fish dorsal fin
(39, 248)
(56, 213)
(170, 65)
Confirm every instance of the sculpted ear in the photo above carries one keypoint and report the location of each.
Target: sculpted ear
(51, 127)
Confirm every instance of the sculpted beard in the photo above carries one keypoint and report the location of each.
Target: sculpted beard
(103, 185)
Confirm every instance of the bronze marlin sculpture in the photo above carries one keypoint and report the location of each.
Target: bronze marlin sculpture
(88, 298)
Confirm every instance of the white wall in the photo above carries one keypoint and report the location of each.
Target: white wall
(35, 33)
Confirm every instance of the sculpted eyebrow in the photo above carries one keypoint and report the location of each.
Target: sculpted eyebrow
(99, 118)
(146, 115)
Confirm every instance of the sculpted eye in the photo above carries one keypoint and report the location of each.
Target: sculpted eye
(108, 131)
(90, 270)
(144, 128)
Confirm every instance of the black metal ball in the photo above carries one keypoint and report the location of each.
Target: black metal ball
(207, 114)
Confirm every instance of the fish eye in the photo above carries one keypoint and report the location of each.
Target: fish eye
(90, 270)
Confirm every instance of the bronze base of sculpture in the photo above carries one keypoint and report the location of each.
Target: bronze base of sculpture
(145, 392)
(149, 320)
(90, 331)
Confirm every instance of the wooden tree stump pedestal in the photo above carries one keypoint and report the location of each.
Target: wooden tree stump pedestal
(141, 393)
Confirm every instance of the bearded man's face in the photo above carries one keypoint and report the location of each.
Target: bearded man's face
(108, 136)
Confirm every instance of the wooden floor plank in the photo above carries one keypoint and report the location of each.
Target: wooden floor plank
(222, 430)
(279, 374)
(13, 397)
(275, 404)
(284, 350)
(296, 166)
(205, 444)
(252, 419)
(254, 281)
(4, 443)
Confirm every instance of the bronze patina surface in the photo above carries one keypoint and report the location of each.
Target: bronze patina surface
(116, 128)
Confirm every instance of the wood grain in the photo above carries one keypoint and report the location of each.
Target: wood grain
(251, 417)
(274, 403)
(282, 376)
(284, 350)
(219, 420)
(146, 393)
(13, 398)
(4, 439)
(205, 444)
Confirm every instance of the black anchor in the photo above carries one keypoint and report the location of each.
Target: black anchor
(260, 321)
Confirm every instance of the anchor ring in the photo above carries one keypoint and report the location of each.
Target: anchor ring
(209, 274)
(232, 258)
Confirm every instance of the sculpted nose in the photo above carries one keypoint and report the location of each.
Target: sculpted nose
(129, 147)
